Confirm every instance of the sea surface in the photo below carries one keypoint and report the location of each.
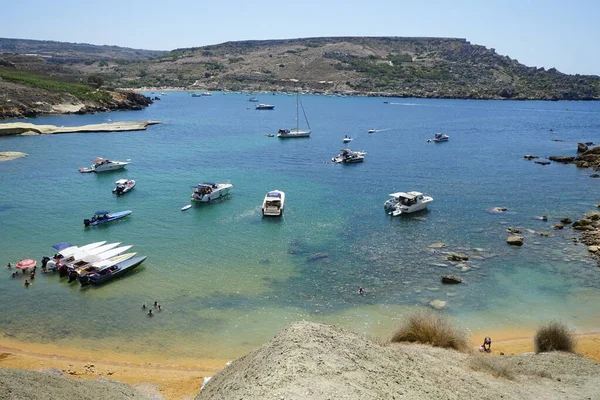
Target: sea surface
(228, 279)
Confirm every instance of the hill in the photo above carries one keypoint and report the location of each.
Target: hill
(388, 66)
(315, 361)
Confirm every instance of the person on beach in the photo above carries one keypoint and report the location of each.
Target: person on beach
(150, 313)
(26, 283)
(487, 345)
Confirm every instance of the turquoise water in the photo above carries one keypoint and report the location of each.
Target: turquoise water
(228, 279)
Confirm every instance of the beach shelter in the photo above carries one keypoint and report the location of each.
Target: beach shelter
(26, 264)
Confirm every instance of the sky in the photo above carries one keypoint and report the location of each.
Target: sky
(551, 33)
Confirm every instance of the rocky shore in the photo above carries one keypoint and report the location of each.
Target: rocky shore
(24, 128)
(11, 155)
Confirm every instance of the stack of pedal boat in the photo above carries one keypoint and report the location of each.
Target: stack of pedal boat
(94, 263)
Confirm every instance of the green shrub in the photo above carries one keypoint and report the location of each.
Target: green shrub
(431, 327)
(554, 336)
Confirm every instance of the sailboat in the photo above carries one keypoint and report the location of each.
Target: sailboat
(296, 132)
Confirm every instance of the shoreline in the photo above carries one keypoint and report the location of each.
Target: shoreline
(26, 128)
(182, 378)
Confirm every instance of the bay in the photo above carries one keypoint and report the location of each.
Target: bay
(227, 279)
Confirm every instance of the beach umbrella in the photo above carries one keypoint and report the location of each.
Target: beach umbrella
(25, 264)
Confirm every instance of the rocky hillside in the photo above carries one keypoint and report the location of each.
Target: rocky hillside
(318, 362)
(390, 66)
(25, 93)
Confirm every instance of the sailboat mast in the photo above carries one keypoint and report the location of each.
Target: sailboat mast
(297, 115)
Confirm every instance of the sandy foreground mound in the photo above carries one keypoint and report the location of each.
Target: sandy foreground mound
(30, 385)
(314, 361)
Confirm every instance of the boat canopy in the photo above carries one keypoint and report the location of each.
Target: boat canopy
(212, 184)
(277, 195)
(61, 246)
(102, 212)
(121, 182)
(100, 159)
(409, 195)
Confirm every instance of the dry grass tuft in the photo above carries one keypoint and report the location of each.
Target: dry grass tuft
(554, 336)
(491, 365)
(431, 327)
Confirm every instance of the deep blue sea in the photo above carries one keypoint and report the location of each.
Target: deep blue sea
(228, 280)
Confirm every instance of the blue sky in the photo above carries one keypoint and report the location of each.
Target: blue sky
(551, 33)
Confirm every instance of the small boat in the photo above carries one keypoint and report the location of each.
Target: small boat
(441, 137)
(92, 262)
(114, 271)
(102, 216)
(372, 131)
(348, 156)
(273, 204)
(123, 186)
(196, 95)
(270, 135)
(406, 203)
(347, 139)
(208, 191)
(104, 164)
(206, 94)
(253, 100)
(296, 132)
(97, 266)
(187, 207)
(264, 107)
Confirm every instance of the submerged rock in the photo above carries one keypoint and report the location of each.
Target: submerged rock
(582, 147)
(558, 226)
(529, 157)
(513, 230)
(543, 162)
(437, 304)
(318, 256)
(450, 279)
(515, 240)
(566, 220)
(457, 257)
(562, 159)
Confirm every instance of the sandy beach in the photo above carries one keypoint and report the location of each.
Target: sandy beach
(178, 379)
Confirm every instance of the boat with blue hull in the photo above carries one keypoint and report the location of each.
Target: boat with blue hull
(102, 216)
(111, 272)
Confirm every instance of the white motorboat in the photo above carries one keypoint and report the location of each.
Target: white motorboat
(253, 100)
(406, 203)
(67, 253)
(123, 186)
(441, 137)
(104, 164)
(273, 203)
(208, 191)
(372, 131)
(206, 94)
(348, 156)
(264, 107)
(296, 132)
(347, 139)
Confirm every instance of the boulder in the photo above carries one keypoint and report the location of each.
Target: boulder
(450, 279)
(513, 230)
(438, 245)
(543, 162)
(582, 147)
(530, 157)
(457, 257)
(558, 226)
(318, 256)
(594, 176)
(562, 159)
(515, 240)
(593, 249)
(592, 215)
(566, 220)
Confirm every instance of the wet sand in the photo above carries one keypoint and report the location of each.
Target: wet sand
(177, 379)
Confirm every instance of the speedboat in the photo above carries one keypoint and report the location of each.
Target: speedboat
(264, 107)
(111, 272)
(406, 203)
(102, 216)
(64, 253)
(440, 137)
(208, 191)
(253, 100)
(372, 131)
(273, 203)
(123, 186)
(91, 262)
(348, 156)
(104, 164)
(63, 264)
(347, 139)
(206, 94)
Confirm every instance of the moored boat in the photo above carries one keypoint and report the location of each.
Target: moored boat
(406, 203)
(264, 107)
(348, 156)
(104, 164)
(111, 272)
(296, 132)
(208, 191)
(123, 186)
(273, 204)
(103, 216)
(441, 137)
(347, 139)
